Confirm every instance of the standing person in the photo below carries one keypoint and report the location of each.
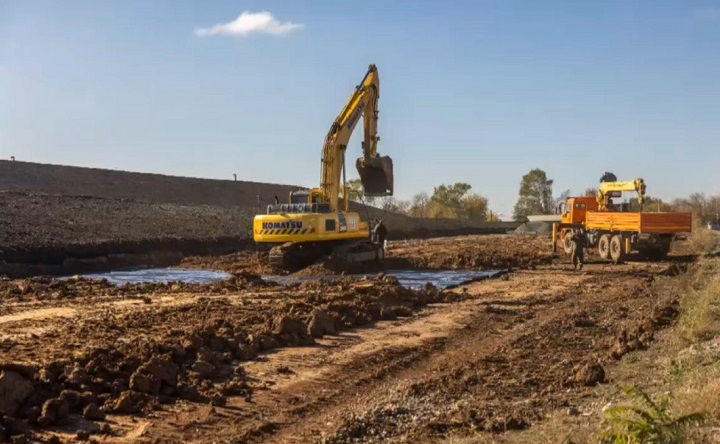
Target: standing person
(578, 244)
(380, 233)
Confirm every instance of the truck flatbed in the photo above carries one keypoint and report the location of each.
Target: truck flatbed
(650, 223)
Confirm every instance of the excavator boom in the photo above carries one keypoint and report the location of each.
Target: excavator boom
(376, 172)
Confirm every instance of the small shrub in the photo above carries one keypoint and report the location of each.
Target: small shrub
(650, 423)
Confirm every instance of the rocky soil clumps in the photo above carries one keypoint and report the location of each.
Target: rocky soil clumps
(192, 352)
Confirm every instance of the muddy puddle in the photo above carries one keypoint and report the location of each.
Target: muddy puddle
(408, 278)
(160, 275)
(414, 279)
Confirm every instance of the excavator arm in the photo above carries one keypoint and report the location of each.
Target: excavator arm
(376, 172)
(606, 190)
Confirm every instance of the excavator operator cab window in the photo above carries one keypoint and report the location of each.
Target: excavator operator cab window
(300, 197)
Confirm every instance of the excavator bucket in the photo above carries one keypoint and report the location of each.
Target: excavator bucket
(376, 175)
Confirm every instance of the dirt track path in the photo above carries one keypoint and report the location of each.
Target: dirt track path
(503, 359)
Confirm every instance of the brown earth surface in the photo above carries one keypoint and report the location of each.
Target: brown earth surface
(65, 220)
(335, 361)
(491, 252)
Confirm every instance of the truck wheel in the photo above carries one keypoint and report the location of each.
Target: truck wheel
(604, 246)
(567, 243)
(616, 249)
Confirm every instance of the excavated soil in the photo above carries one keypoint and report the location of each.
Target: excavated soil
(491, 252)
(338, 361)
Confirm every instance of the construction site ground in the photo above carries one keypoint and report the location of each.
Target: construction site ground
(333, 361)
(67, 220)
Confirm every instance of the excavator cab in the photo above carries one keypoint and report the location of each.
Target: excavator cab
(306, 196)
(376, 175)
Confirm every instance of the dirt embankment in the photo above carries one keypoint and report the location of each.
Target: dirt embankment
(248, 360)
(143, 187)
(47, 234)
(65, 220)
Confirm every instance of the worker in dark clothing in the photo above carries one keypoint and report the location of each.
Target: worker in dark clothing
(578, 245)
(380, 233)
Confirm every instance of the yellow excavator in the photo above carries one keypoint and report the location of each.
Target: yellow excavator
(314, 224)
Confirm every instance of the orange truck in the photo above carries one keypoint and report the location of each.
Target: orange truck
(617, 234)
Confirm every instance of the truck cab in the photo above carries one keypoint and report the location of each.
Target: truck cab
(576, 208)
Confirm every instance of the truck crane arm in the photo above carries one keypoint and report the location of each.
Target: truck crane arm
(376, 172)
(606, 190)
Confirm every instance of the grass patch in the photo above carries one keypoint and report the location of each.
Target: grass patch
(647, 421)
(700, 305)
(704, 241)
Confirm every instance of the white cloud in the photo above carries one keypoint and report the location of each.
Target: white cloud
(251, 23)
(710, 14)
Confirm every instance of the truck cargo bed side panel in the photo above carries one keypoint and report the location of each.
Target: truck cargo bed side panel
(666, 222)
(609, 221)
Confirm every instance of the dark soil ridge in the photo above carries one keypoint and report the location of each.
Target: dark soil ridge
(144, 187)
(84, 258)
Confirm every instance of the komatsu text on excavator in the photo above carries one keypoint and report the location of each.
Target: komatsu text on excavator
(313, 223)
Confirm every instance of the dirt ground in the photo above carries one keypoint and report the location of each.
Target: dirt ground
(490, 252)
(338, 361)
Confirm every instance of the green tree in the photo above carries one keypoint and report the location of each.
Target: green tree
(419, 206)
(456, 202)
(447, 200)
(475, 208)
(535, 196)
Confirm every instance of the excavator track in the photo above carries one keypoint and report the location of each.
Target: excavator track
(343, 255)
(277, 257)
(294, 256)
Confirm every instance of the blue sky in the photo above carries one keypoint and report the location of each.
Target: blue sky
(473, 91)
